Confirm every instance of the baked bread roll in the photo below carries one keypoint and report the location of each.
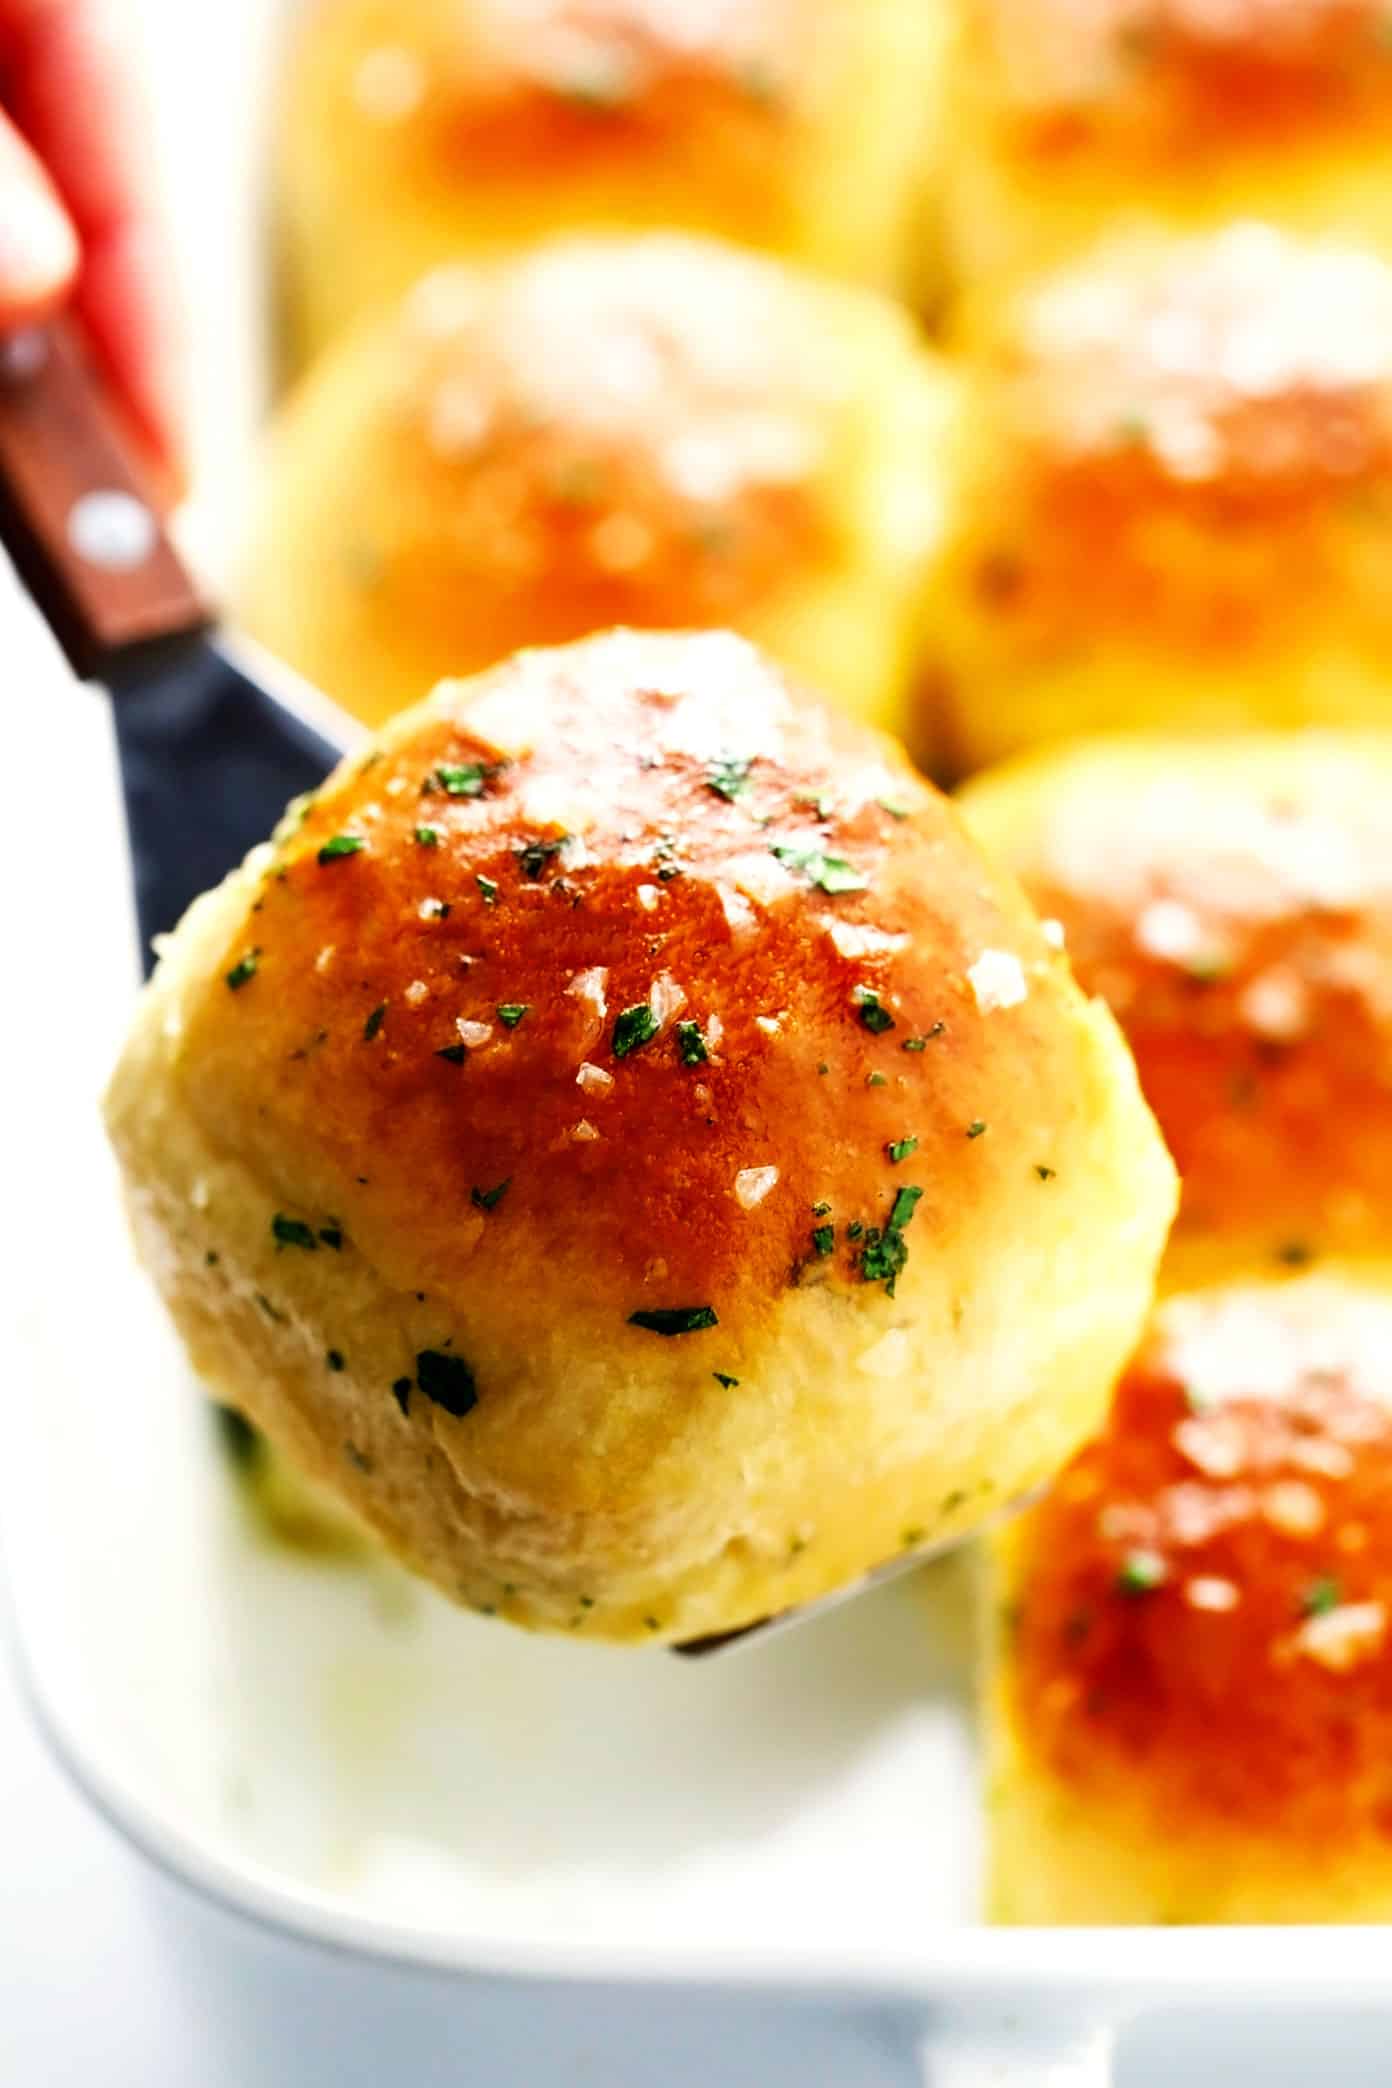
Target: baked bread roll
(419, 131)
(626, 1140)
(1068, 122)
(1233, 905)
(720, 441)
(1192, 1696)
(1173, 501)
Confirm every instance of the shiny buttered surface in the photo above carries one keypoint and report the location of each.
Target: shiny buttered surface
(626, 1140)
(1067, 118)
(1193, 1691)
(1233, 905)
(660, 431)
(1172, 499)
(419, 131)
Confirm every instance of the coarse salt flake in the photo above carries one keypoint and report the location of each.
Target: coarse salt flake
(752, 1185)
(593, 1079)
(473, 1034)
(997, 980)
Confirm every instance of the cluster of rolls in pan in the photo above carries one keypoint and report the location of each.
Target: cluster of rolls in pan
(631, 1140)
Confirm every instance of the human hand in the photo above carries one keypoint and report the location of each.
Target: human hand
(76, 209)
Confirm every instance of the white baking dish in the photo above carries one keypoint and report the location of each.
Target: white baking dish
(334, 1751)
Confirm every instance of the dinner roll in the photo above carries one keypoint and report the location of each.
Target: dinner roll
(719, 440)
(1069, 121)
(1192, 1695)
(1233, 905)
(1173, 499)
(626, 1139)
(419, 131)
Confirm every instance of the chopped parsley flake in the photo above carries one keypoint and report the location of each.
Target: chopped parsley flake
(464, 781)
(332, 1235)
(447, 1382)
(821, 1210)
(1045, 1174)
(829, 873)
(510, 1013)
(438, 909)
(243, 970)
(373, 1024)
(1140, 1572)
(401, 1393)
(292, 1232)
(428, 837)
(489, 1199)
(874, 1016)
(691, 1044)
(975, 1130)
(675, 1319)
(900, 1148)
(488, 889)
(535, 855)
(823, 1240)
(876, 1080)
(341, 845)
(1322, 1596)
(886, 1250)
(334, 1359)
(453, 1054)
(722, 1378)
(633, 1028)
(728, 776)
(854, 1229)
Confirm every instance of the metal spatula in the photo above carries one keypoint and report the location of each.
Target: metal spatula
(212, 742)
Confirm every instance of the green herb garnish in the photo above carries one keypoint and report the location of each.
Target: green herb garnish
(488, 889)
(675, 1319)
(292, 1232)
(728, 776)
(428, 837)
(876, 1080)
(463, 781)
(453, 1054)
(722, 1378)
(332, 1235)
(489, 1199)
(905, 1204)
(975, 1130)
(922, 1043)
(243, 970)
(900, 1148)
(373, 1024)
(886, 1250)
(633, 1028)
(1045, 1174)
(510, 1013)
(334, 1359)
(1140, 1572)
(341, 845)
(829, 873)
(1295, 1254)
(823, 1240)
(533, 856)
(874, 1016)
(1322, 1596)
(691, 1044)
(446, 1381)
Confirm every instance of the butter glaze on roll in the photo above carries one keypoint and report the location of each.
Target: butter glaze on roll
(1070, 119)
(1192, 1715)
(1233, 905)
(719, 441)
(567, 1073)
(419, 131)
(1173, 499)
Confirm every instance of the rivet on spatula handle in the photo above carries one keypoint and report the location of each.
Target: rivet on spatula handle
(85, 537)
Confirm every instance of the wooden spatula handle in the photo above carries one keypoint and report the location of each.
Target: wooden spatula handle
(84, 534)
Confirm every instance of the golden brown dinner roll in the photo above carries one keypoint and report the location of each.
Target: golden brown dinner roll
(625, 1138)
(1192, 1694)
(1233, 905)
(719, 440)
(1174, 500)
(419, 131)
(1066, 122)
